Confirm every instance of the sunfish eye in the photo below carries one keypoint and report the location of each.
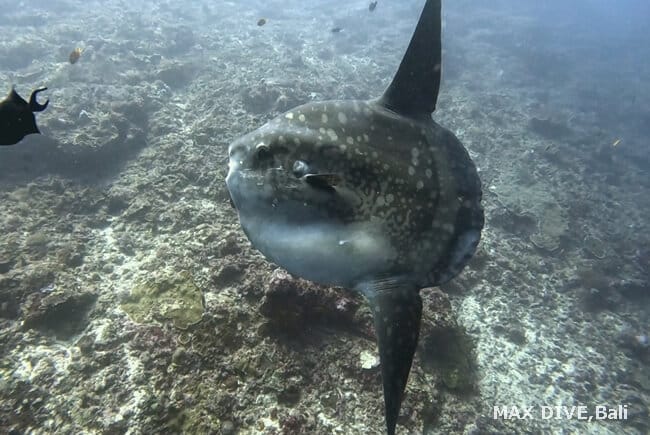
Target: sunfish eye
(300, 168)
(263, 153)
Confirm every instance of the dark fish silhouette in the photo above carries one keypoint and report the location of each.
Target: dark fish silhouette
(17, 118)
(369, 195)
(372, 6)
(336, 29)
(261, 22)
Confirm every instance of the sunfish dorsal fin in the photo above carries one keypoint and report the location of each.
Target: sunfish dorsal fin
(414, 89)
(397, 309)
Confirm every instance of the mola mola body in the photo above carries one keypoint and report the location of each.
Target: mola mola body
(372, 195)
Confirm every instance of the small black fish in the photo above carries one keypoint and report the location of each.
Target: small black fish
(17, 118)
(372, 6)
(336, 29)
(261, 22)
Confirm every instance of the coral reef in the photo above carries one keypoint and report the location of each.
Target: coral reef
(536, 201)
(62, 313)
(294, 304)
(446, 349)
(175, 299)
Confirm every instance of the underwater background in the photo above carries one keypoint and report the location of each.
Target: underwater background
(132, 302)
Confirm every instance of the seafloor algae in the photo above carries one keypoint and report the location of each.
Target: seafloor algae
(191, 420)
(451, 354)
(536, 200)
(551, 226)
(60, 313)
(595, 246)
(176, 299)
(446, 348)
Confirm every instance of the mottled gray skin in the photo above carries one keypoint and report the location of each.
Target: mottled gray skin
(403, 186)
(369, 195)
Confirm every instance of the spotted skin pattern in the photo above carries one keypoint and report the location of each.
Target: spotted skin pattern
(373, 196)
(410, 178)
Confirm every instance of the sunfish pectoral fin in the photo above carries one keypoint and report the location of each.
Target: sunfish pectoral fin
(325, 181)
(397, 309)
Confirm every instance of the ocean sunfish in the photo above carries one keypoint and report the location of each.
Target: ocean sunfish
(17, 118)
(372, 196)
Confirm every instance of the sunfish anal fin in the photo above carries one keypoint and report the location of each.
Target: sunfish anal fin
(397, 309)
